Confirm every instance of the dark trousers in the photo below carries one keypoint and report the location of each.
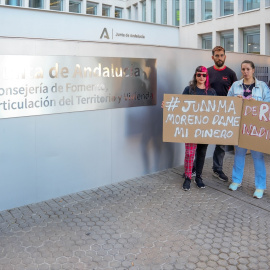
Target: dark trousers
(218, 157)
(200, 158)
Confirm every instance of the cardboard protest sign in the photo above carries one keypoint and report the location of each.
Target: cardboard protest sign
(201, 119)
(254, 133)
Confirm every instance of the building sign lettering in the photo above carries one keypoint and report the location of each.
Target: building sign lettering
(36, 85)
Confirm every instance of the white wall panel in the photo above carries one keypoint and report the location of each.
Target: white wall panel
(70, 26)
(18, 170)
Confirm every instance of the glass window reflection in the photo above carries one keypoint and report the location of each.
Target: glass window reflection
(226, 7)
(190, 13)
(251, 4)
(206, 10)
(252, 41)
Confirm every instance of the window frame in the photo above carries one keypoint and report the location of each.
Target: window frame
(136, 12)
(14, 5)
(116, 9)
(205, 38)
(222, 7)
(106, 10)
(248, 32)
(90, 4)
(40, 7)
(246, 3)
(61, 5)
(164, 8)
(188, 11)
(143, 11)
(129, 12)
(176, 12)
(223, 37)
(77, 4)
(203, 10)
(153, 11)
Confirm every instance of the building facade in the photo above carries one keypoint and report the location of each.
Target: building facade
(237, 25)
(153, 11)
(47, 156)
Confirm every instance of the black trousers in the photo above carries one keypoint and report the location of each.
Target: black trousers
(218, 157)
(199, 159)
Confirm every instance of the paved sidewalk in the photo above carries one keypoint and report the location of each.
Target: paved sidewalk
(144, 223)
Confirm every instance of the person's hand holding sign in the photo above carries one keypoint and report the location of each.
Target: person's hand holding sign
(162, 104)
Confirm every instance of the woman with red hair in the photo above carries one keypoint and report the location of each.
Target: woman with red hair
(199, 85)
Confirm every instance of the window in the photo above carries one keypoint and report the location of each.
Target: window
(207, 42)
(153, 11)
(14, 3)
(251, 4)
(129, 13)
(36, 4)
(136, 11)
(206, 10)
(163, 11)
(106, 11)
(267, 3)
(252, 40)
(118, 13)
(226, 7)
(91, 8)
(227, 41)
(176, 13)
(261, 73)
(56, 5)
(75, 6)
(190, 11)
(144, 11)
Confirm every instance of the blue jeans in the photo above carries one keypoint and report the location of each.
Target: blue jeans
(259, 166)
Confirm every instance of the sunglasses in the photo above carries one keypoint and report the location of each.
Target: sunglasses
(199, 75)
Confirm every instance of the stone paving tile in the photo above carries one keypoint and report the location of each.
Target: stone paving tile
(143, 223)
(248, 187)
